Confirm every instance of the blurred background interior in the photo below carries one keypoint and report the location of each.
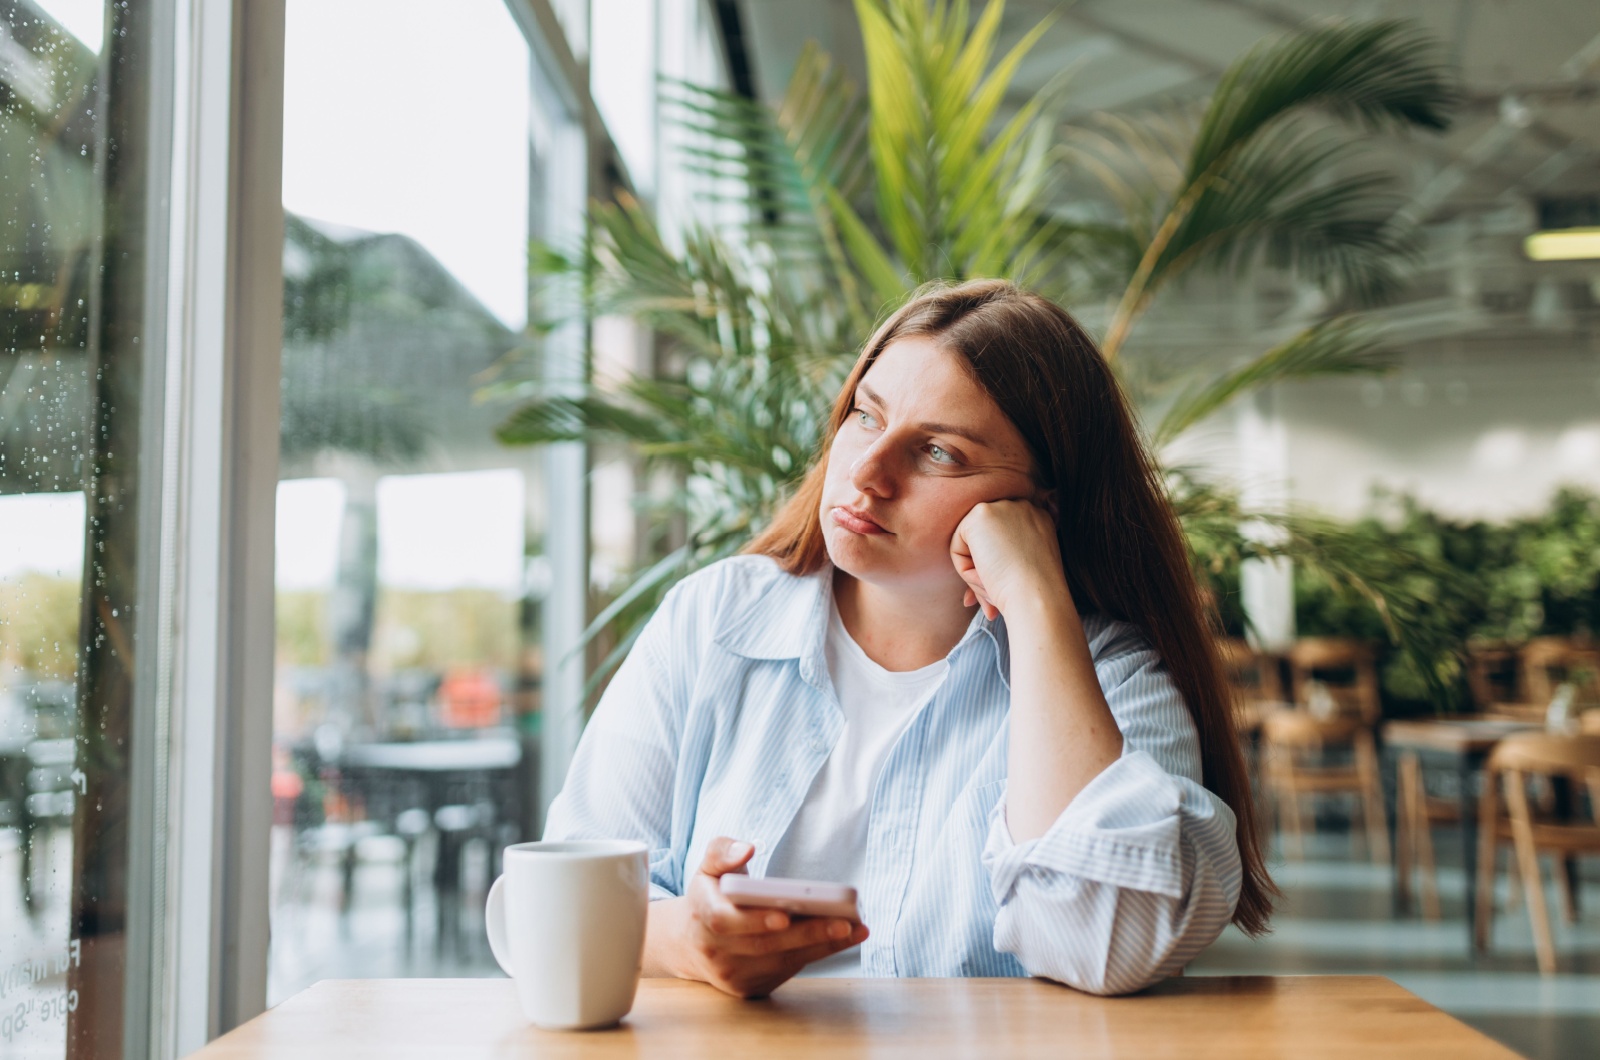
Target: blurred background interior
(1346, 257)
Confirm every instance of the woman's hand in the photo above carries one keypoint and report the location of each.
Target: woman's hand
(1008, 554)
(744, 952)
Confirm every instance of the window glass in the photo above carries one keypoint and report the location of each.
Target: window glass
(574, 18)
(407, 663)
(622, 79)
(71, 379)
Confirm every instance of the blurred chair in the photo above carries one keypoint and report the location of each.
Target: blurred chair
(1254, 678)
(1345, 667)
(457, 826)
(1416, 812)
(1298, 744)
(1257, 688)
(1494, 674)
(1550, 661)
(1295, 745)
(1513, 762)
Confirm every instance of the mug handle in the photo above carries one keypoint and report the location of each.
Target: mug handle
(494, 922)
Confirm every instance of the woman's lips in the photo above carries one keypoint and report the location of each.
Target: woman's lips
(856, 522)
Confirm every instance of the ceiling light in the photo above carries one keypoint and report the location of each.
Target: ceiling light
(1563, 244)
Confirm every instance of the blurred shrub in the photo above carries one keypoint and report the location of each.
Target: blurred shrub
(1538, 575)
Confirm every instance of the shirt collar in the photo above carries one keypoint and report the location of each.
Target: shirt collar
(785, 621)
(790, 621)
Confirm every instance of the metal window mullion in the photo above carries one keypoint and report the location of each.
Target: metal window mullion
(223, 319)
(569, 184)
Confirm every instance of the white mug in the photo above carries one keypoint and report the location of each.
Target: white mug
(566, 922)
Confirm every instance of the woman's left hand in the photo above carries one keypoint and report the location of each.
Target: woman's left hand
(1008, 554)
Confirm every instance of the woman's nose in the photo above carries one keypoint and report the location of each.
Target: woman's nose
(871, 473)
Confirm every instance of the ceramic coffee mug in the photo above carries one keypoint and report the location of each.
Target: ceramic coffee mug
(566, 922)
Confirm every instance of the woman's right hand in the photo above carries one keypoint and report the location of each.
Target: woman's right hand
(744, 952)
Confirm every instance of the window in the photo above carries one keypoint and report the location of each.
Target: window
(409, 558)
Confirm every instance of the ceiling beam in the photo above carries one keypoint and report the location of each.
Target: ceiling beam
(1515, 116)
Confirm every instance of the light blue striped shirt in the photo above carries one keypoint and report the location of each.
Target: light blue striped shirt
(723, 714)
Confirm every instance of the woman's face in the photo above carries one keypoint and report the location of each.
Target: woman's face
(922, 446)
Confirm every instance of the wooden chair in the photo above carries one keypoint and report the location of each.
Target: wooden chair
(1548, 661)
(1495, 681)
(1494, 674)
(1290, 738)
(1257, 690)
(1513, 761)
(1416, 812)
(1254, 678)
(1345, 667)
(1347, 670)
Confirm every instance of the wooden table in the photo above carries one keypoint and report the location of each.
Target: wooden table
(1195, 1017)
(1462, 744)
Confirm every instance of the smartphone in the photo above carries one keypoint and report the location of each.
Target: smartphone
(800, 897)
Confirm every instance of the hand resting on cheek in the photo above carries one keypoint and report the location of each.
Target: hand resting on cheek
(1008, 554)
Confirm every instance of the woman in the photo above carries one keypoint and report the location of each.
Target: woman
(966, 670)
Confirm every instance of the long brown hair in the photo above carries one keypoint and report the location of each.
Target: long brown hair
(1121, 546)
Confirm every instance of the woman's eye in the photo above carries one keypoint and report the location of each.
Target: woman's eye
(865, 418)
(940, 456)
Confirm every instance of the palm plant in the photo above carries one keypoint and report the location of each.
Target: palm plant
(851, 200)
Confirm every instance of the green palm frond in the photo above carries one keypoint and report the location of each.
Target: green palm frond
(777, 159)
(1341, 346)
(1139, 159)
(1278, 196)
(797, 166)
(1256, 176)
(699, 430)
(1384, 74)
(954, 200)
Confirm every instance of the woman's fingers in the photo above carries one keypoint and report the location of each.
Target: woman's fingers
(807, 933)
(760, 975)
(721, 917)
(725, 855)
(832, 945)
(711, 908)
(976, 593)
(977, 596)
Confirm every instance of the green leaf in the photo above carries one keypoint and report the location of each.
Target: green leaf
(1250, 177)
(1341, 346)
(1385, 74)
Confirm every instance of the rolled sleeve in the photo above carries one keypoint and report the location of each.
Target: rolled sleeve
(1141, 871)
(1138, 875)
(1121, 830)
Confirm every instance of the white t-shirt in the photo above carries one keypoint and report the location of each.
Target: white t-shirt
(828, 839)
